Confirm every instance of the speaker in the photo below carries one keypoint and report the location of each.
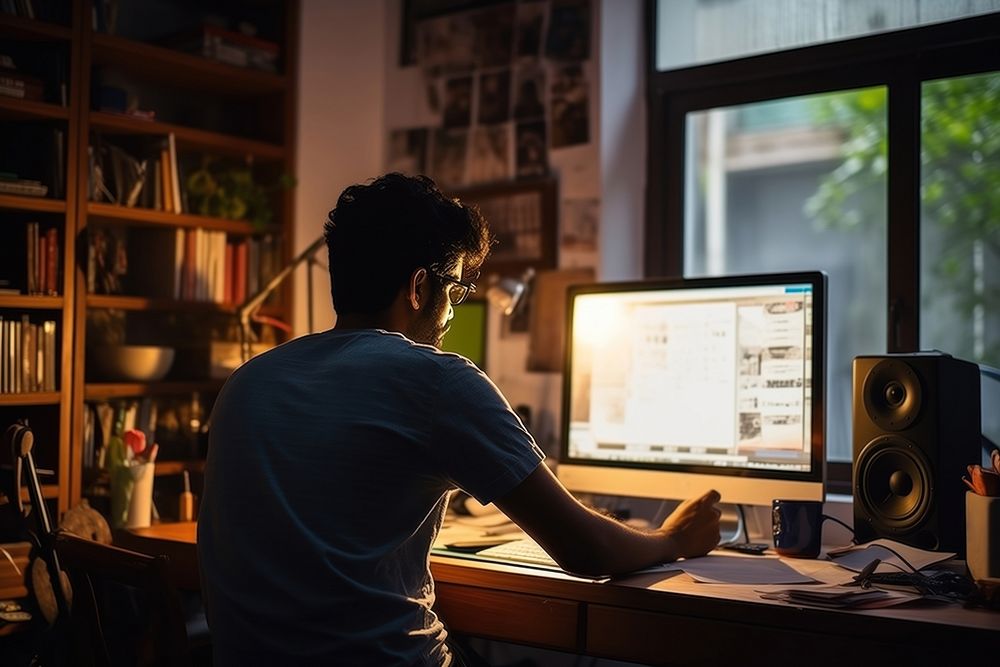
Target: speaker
(916, 427)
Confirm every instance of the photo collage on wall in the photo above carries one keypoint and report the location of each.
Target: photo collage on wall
(508, 83)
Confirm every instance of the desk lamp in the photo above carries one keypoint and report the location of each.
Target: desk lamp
(510, 293)
(247, 309)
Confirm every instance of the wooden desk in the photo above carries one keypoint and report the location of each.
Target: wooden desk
(665, 619)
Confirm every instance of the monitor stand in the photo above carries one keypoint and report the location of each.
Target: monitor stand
(733, 524)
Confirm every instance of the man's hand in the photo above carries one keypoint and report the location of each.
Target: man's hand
(694, 525)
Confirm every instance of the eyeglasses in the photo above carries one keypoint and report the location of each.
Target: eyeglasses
(458, 291)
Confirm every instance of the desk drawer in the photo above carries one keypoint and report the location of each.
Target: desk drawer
(526, 619)
(672, 639)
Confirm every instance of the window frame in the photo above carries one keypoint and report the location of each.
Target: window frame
(900, 60)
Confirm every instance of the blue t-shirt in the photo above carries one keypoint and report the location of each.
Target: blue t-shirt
(330, 458)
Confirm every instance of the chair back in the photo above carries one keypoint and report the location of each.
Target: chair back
(125, 609)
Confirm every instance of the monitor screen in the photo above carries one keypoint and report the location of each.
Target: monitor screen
(676, 386)
(467, 332)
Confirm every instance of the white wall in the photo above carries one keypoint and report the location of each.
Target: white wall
(340, 125)
(351, 92)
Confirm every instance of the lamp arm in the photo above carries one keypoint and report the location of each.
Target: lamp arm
(247, 308)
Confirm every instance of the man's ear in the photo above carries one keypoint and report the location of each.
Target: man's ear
(418, 288)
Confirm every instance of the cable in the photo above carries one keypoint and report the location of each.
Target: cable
(899, 556)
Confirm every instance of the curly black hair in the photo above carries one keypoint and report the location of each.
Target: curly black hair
(381, 232)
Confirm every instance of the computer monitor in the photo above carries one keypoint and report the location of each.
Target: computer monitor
(672, 387)
(467, 332)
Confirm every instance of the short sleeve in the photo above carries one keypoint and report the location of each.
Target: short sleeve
(478, 439)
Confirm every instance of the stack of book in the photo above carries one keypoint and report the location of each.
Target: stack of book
(43, 260)
(27, 355)
(21, 86)
(204, 265)
(230, 47)
(10, 184)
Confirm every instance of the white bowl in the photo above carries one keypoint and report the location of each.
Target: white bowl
(137, 363)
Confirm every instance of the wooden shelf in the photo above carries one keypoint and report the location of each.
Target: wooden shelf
(146, 303)
(183, 70)
(105, 391)
(189, 138)
(49, 492)
(22, 203)
(178, 467)
(31, 302)
(16, 27)
(33, 398)
(15, 108)
(112, 213)
(249, 115)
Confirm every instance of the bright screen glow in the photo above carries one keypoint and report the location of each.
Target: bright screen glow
(708, 376)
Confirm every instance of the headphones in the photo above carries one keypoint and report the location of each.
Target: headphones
(22, 440)
(44, 569)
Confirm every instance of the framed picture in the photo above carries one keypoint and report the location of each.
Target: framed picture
(524, 220)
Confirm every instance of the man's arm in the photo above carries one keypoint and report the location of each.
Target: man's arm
(586, 542)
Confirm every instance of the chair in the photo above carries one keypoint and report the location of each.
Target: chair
(125, 609)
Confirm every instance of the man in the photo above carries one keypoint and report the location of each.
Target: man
(331, 457)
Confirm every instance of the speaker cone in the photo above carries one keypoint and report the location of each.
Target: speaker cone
(892, 394)
(893, 484)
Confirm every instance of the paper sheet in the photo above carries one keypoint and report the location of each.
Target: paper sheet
(838, 597)
(735, 570)
(855, 558)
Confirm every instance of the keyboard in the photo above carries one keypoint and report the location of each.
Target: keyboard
(519, 551)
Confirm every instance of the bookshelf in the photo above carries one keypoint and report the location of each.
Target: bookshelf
(185, 112)
(55, 115)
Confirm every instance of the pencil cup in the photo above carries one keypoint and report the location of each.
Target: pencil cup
(140, 507)
(982, 537)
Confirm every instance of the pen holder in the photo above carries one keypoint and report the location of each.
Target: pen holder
(132, 495)
(982, 537)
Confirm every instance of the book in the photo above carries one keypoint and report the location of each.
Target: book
(52, 262)
(57, 178)
(27, 188)
(27, 356)
(22, 86)
(165, 186)
(3, 355)
(227, 46)
(179, 246)
(31, 254)
(229, 261)
(174, 173)
(240, 273)
(49, 375)
(40, 260)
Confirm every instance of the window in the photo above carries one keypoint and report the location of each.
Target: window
(764, 192)
(875, 159)
(696, 32)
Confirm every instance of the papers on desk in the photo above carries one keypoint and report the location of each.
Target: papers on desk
(856, 557)
(839, 597)
(713, 569)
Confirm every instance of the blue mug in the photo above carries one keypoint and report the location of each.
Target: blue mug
(797, 527)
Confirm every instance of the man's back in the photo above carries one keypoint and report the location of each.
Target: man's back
(328, 464)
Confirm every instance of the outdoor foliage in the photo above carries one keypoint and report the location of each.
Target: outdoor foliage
(960, 192)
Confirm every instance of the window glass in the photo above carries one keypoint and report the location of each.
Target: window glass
(960, 221)
(694, 32)
(793, 185)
